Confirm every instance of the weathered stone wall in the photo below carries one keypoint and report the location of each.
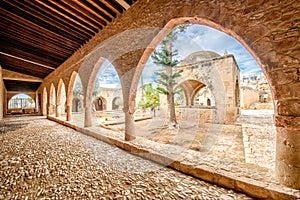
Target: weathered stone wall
(195, 114)
(109, 94)
(269, 30)
(230, 74)
(249, 96)
(220, 76)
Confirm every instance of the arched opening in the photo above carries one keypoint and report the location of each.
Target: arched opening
(106, 87)
(205, 61)
(52, 100)
(100, 103)
(76, 98)
(61, 99)
(204, 98)
(190, 88)
(21, 104)
(45, 101)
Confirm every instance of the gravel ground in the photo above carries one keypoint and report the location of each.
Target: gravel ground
(41, 159)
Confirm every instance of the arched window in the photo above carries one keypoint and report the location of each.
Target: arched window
(21, 101)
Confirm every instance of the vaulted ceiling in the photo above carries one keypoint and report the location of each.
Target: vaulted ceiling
(38, 36)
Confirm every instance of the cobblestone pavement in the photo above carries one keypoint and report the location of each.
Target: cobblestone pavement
(41, 159)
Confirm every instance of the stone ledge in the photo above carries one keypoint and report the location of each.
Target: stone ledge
(253, 188)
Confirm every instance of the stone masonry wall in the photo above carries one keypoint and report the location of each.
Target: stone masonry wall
(249, 96)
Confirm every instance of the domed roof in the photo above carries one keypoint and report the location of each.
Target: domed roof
(199, 56)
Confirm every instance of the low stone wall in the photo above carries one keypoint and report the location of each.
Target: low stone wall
(262, 106)
(20, 110)
(201, 115)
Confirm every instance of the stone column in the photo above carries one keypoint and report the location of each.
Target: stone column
(69, 112)
(88, 115)
(288, 150)
(36, 102)
(129, 126)
(129, 109)
(49, 111)
(129, 96)
(5, 103)
(58, 110)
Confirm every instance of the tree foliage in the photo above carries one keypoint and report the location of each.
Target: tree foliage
(151, 97)
(166, 57)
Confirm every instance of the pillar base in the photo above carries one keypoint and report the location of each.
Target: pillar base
(288, 151)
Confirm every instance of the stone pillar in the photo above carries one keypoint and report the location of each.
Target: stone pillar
(288, 150)
(58, 110)
(129, 97)
(69, 112)
(49, 111)
(88, 115)
(36, 102)
(129, 126)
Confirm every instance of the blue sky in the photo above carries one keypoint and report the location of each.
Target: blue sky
(195, 38)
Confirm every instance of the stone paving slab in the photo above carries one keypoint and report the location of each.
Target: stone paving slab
(251, 180)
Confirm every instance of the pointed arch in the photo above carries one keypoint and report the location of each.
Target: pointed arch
(52, 100)
(44, 102)
(60, 98)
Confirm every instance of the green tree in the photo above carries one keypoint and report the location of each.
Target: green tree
(151, 97)
(167, 77)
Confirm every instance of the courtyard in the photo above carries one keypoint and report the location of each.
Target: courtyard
(67, 163)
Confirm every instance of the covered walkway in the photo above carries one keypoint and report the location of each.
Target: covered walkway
(40, 158)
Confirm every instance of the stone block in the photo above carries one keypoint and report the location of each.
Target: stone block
(224, 181)
(289, 107)
(287, 154)
(157, 158)
(289, 122)
(253, 188)
(175, 165)
(127, 146)
(203, 173)
(288, 175)
(289, 136)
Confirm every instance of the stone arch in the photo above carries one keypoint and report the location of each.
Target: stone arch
(74, 103)
(44, 100)
(206, 97)
(11, 95)
(69, 94)
(88, 72)
(52, 100)
(100, 103)
(60, 98)
(21, 105)
(190, 87)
